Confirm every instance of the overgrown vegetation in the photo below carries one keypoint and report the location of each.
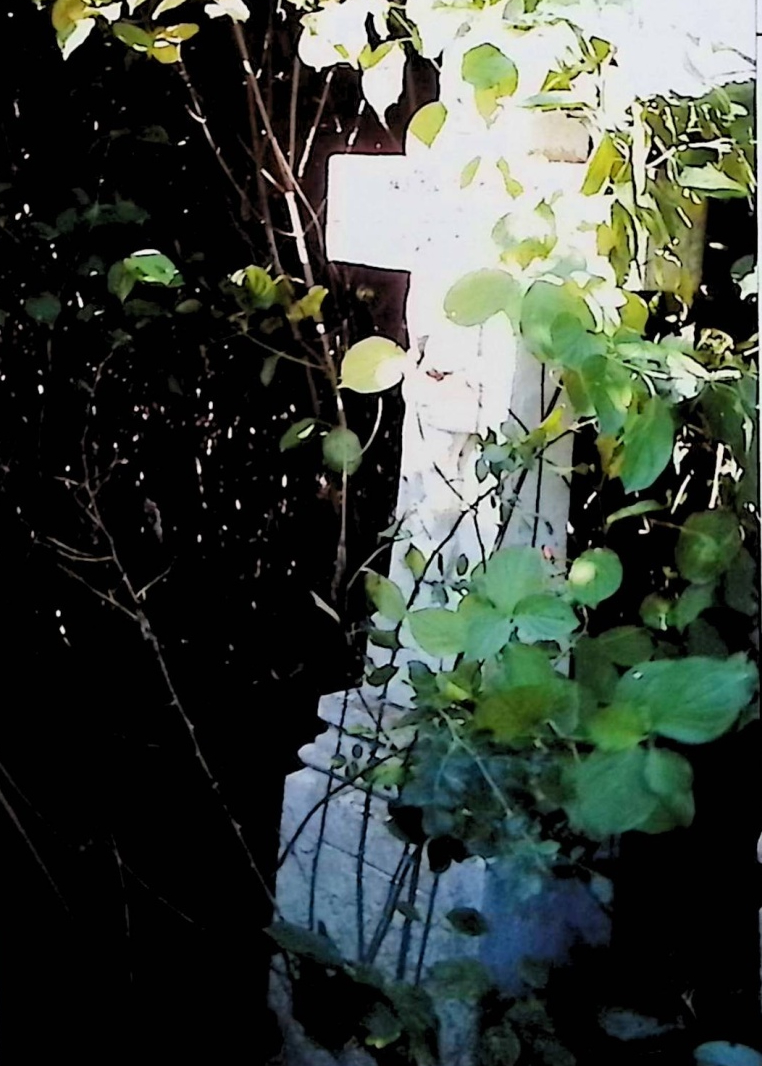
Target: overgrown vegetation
(548, 715)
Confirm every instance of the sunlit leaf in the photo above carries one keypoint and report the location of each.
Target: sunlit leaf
(372, 365)
(648, 440)
(438, 631)
(427, 122)
(301, 432)
(478, 296)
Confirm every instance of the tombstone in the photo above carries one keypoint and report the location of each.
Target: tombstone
(415, 213)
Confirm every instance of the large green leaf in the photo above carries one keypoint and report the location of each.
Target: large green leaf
(342, 450)
(438, 631)
(385, 597)
(478, 296)
(708, 543)
(693, 700)
(372, 365)
(516, 713)
(618, 727)
(670, 776)
(648, 440)
(487, 629)
(625, 645)
(544, 617)
(544, 303)
(594, 576)
(610, 793)
(512, 574)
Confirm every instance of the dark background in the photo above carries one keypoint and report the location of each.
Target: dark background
(130, 926)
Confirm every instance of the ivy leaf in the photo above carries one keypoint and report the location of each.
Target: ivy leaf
(44, 309)
(486, 67)
(301, 432)
(594, 576)
(542, 306)
(478, 296)
(438, 631)
(647, 442)
(385, 597)
(544, 617)
(709, 541)
(372, 365)
(427, 122)
(692, 700)
(342, 450)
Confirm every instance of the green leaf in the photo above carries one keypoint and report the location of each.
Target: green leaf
(438, 631)
(709, 541)
(605, 162)
(710, 180)
(384, 638)
(377, 676)
(486, 67)
(594, 576)
(44, 309)
(478, 296)
(692, 700)
(382, 1025)
(310, 306)
(544, 617)
(634, 511)
(512, 714)
(385, 597)
(625, 645)
(301, 432)
(372, 365)
(301, 942)
(342, 450)
(427, 122)
(542, 305)
(487, 629)
(648, 440)
(469, 172)
(132, 36)
(690, 604)
(468, 921)
(512, 187)
(261, 288)
(724, 1053)
(670, 776)
(511, 575)
(415, 561)
(740, 584)
(188, 307)
(656, 611)
(610, 793)
(458, 979)
(618, 728)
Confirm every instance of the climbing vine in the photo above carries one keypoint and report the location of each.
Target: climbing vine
(541, 720)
